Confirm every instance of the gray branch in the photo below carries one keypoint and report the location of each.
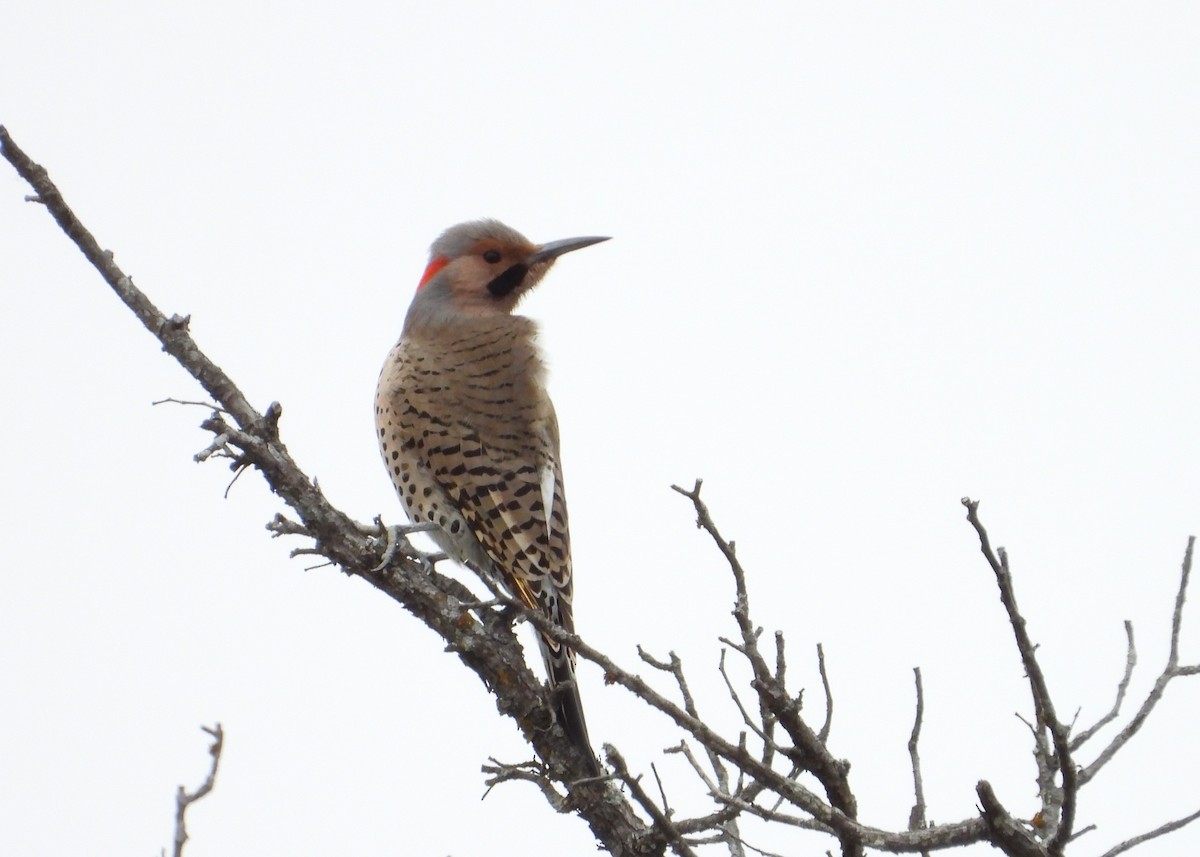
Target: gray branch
(1161, 830)
(184, 798)
(916, 818)
(1170, 671)
(1122, 688)
(1059, 802)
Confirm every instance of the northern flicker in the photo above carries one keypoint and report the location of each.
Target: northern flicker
(469, 435)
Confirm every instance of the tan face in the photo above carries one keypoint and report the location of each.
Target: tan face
(490, 278)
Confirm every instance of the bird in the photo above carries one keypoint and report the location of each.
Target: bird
(470, 437)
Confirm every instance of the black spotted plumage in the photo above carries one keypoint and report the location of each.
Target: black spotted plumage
(469, 434)
(483, 444)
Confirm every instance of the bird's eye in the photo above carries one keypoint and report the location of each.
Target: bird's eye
(491, 256)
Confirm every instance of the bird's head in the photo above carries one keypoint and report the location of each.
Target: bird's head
(483, 268)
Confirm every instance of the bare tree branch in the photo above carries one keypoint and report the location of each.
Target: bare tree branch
(823, 734)
(661, 820)
(1169, 827)
(1009, 835)
(1170, 671)
(769, 746)
(809, 750)
(1061, 827)
(184, 798)
(916, 818)
(531, 772)
(942, 836)
(675, 667)
(1122, 688)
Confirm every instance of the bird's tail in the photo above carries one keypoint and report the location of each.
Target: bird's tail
(560, 666)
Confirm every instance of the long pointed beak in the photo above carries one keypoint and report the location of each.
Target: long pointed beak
(554, 249)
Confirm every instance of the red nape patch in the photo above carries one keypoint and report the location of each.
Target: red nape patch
(436, 264)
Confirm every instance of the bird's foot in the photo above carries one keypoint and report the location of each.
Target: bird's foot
(396, 538)
(429, 560)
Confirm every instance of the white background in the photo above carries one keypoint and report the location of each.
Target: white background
(867, 259)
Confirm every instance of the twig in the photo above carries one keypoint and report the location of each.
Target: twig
(1130, 662)
(742, 843)
(218, 447)
(772, 815)
(184, 799)
(662, 792)
(1169, 827)
(1087, 829)
(284, 526)
(830, 772)
(669, 834)
(683, 749)
(239, 470)
(1170, 671)
(768, 745)
(212, 406)
(916, 818)
(1042, 703)
(675, 667)
(823, 734)
(944, 835)
(531, 772)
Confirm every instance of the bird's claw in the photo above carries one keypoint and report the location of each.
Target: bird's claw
(396, 537)
(392, 535)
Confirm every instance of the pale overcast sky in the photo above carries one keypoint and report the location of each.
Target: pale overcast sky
(867, 258)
